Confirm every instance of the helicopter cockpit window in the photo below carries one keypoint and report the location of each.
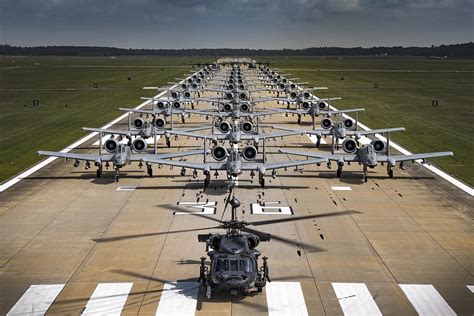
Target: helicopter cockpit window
(234, 265)
(245, 265)
(222, 265)
(234, 156)
(122, 149)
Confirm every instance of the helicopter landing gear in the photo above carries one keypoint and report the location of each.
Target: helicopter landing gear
(262, 276)
(149, 170)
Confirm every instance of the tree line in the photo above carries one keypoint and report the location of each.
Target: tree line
(464, 50)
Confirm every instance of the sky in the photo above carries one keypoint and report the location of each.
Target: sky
(266, 24)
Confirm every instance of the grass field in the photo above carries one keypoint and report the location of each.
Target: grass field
(51, 125)
(406, 88)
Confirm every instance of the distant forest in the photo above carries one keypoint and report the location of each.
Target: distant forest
(465, 50)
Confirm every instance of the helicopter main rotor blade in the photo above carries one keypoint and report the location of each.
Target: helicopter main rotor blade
(125, 237)
(299, 218)
(263, 236)
(177, 208)
(226, 203)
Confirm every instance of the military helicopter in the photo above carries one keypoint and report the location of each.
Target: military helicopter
(234, 259)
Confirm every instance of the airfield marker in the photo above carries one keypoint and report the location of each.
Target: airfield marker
(36, 300)
(108, 299)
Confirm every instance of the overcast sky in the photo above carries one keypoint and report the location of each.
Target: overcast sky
(236, 23)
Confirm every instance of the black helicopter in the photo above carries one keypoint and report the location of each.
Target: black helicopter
(234, 264)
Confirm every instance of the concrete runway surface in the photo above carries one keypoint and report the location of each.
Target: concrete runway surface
(408, 250)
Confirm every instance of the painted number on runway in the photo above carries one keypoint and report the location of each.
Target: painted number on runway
(270, 208)
(201, 207)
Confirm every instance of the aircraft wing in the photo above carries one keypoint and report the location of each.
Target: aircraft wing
(87, 157)
(138, 111)
(331, 112)
(111, 131)
(375, 131)
(399, 158)
(270, 99)
(290, 111)
(280, 165)
(141, 157)
(223, 114)
(261, 113)
(189, 134)
(321, 155)
(281, 134)
(186, 164)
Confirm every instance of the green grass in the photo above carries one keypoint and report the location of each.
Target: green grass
(407, 87)
(52, 126)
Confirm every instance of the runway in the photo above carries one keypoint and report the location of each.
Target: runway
(75, 244)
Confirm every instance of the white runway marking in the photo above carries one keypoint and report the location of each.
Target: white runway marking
(285, 299)
(355, 299)
(341, 188)
(36, 300)
(203, 207)
(471, 288)
(46, 162)
(263, 209)
(127, 188)
(178, 298)
(426, 300)
(108, 299)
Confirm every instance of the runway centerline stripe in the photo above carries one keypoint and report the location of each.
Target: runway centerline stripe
(355, 299)
(178, 298)
(49, 160)
(285, 298)
(426, 300)
(36, 300)
(108, 299)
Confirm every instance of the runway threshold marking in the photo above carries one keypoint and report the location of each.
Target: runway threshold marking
(471, 288)
(36, 300)
(355, 299)
(426, 300)
(341, 188)
(178, 298)
(264, 209)
(49, 160)
(108, 299)
(285, 298)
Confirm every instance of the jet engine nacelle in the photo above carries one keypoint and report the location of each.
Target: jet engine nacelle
(306, 95)
(139, 144)
(174, 94)
(110, 145)
(224, 127)
(326, 123)
(246, 127)
(227, 107)
(138, 123)
(378, 145)
(348, 123)
(245, 107)
(229, 96)
(243, 96)
(349, 146)
(293, 95)
(292, 86)
(249, 152)
(160, 105)
(322, 105)
(160, 123)
(187, 94)
(306, 105)
(219, 153)
(177, 105)
(184, 86)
